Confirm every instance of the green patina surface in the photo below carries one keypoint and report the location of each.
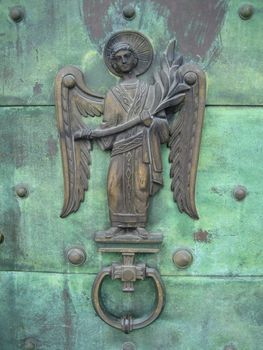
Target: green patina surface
(201, 313)
(55, 33)
(36, 237)
(218, 300)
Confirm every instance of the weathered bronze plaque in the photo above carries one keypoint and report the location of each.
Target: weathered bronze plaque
(137, 118)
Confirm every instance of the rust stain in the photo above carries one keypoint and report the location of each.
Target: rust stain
(219, 191)
(52, 12)
(18, 43)
(52, 146)
(196, 24)
(8, 73)
(11, 226)
(20, 156)
(37, 88)
(37, 58)
(68, 326)
(94, 13)
(202, 236)
(18, 47)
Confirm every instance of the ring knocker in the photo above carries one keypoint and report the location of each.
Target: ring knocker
(128, 273)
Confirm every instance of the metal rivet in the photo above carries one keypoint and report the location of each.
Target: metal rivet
(76, 256)
(129, 12)
(183, 258)
(230, 347)
(128, 346)
(128, 275)
(21, 191)
(30, 344)
(16, 13)
(246, 11)
(190, 78)
(240, 193)
(2, 238)
(69, 81)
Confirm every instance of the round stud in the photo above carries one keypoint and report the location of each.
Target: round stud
(17, 14)
(129, 12)
(240, 193)
(182, 258)
(69, 81)
(30, 344)
(76, 256)
(230, 347)
(190, 78)
(21, 191)
(128, 275)
(246, 11)
(128, 346)
(2, 238)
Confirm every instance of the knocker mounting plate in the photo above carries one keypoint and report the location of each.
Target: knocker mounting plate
(128, 273)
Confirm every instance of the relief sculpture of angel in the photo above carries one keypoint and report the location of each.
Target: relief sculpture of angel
(137, 118)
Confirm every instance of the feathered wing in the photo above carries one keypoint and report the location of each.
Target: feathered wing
(74, 101)
(185, 140)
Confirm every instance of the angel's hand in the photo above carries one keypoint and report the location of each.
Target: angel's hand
(146, 118)
(83, 134)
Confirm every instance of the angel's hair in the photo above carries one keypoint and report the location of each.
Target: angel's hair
(122, 46)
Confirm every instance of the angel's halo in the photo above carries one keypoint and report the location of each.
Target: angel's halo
(138, 42)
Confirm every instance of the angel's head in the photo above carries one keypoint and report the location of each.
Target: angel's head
(123, 58)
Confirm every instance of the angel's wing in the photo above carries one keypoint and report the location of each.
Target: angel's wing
(185, 140)
(74, 100)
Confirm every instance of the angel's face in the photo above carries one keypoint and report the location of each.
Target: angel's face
(124, 61)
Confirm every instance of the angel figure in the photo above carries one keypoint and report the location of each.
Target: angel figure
(137, 118)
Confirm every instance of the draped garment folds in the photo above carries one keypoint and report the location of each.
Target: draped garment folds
(135, 171)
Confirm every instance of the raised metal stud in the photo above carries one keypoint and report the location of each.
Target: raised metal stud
(76, 256)
(17, 14)
(128, 274)
(183, 258)
(30, 344)
(230, 347)
(129, 12)
(246, 11)
(128, 346)
(240, 193)
(21, 191)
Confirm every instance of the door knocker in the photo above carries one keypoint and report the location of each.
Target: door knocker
(137, 118)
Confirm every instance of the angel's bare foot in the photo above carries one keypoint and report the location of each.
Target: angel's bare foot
(142, 233)
(113, 231)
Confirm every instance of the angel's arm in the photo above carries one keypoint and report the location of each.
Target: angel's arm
(110, 127)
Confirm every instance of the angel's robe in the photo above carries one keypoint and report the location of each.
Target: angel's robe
(135, 171)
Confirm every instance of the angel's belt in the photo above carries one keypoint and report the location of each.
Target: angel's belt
(128, 144)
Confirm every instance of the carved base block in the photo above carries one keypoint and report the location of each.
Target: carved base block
(128, 236)
(131, 241)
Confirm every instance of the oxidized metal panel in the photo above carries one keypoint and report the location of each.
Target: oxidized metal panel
(46, 300)
(211, 33)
